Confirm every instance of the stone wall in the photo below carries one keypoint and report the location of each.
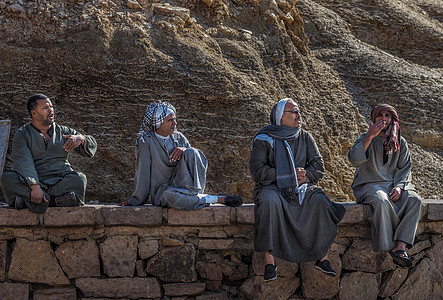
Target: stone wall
(111, 252)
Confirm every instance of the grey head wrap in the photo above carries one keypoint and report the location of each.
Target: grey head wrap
(284, 158)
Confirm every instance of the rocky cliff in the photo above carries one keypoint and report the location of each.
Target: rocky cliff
(223, 64)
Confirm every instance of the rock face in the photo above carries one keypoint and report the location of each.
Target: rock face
(223, 64)
(35, 262)
(79, 259)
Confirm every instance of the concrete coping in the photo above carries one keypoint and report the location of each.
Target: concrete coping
(149, 215)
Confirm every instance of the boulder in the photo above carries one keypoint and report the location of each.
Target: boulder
(3, 254)
(393, 281)
(65, 293)
(147, 248)
(183, 289)
(285, 268)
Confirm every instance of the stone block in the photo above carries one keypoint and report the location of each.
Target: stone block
(65, 293)
(119, 254)
(214, 244)
(12, 217)
(360, 257)
(174, 264)
(392, 282)
(435, 254)
(13, 291)
(318, 285)
(435, 210)
(424, 282)
(147, 248)
(208, 216)
(355, 214)
(245, 214)
(35, 262)
(79, 259)
(419, 247)
(212, 233)
(256, 288)
(285, 268)
(171, 242)
(140, 268)
(183, 289)
(3, 255)
(134, 288)
(145, 215)
(360, 285)
(210, 271)
(69, 216)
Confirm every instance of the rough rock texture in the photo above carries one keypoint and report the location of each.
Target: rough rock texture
(119, 254)
(147, 248)
(69, 293)
(434, 254)
(112, 288)
(392, 282)
(35, 262)
(280, 288)
(3, 255)
(79, 259)
(358, 284)
(316, 284)
(223, 64)
(360, 257)
(427, 277)
(13, 291)
(174, 264)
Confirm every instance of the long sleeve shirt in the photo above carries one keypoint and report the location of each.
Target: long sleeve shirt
(153, 166)
(41, 162)
(371, 169)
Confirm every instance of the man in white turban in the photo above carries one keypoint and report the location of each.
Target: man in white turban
(168, 170)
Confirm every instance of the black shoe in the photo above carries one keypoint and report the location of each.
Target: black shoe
(19, 202)
(325, 267)
(67, 199)
(270, 272)
(233, 200)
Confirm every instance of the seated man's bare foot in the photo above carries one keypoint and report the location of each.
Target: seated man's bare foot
(126, 203)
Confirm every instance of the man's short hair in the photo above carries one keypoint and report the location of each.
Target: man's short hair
(32, 101)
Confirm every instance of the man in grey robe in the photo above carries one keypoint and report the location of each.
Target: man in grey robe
(383, 181)
(42, 175)
(294, 219)
(168, 170)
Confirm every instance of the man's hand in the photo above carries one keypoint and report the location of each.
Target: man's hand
(395, 194)
(376, 128)
(301, 175)
(37, 194)
(73, 141)
(177, 153)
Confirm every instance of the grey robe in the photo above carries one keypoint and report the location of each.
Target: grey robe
(167, 183)
(293, 232)
(373, 181)
(46, 164)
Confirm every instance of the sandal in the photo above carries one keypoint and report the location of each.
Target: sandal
(401, 258)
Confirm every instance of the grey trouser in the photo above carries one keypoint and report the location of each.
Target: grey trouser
(13, 185)
(393, 222)
(185, 189)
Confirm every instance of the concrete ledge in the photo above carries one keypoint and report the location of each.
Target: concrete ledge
(146, 215)
(208, 216)
(69, 216)
(149, 215)
(13, 217)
